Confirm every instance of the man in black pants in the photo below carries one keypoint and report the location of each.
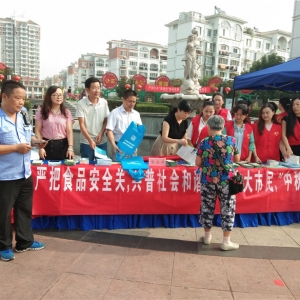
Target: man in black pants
(15, 173)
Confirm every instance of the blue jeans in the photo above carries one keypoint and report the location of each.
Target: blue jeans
(87, 152)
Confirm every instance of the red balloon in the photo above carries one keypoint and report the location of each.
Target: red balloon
(1, 77)
(215, 89)
(139, 87)
(127, 86)
(16, 78)
(227, 89)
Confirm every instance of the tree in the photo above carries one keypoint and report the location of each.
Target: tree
(265, 62)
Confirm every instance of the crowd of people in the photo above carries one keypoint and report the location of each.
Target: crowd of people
(214, 130)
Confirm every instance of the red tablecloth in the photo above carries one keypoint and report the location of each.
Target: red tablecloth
(91, 190)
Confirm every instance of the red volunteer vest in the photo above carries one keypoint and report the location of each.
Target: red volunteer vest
(223, 112)
(195, 121)
(246, 141)
(267, 144)
(280, 116)
(294, 140)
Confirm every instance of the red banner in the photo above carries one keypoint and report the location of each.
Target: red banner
(205, 90)
(91, 190)
(162, 89)
(140, 79)
(214, 81)
(162, 81)
(109, 80)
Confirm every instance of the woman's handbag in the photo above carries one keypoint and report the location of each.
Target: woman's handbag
(236, 183)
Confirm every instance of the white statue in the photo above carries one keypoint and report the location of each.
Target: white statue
(190, 83)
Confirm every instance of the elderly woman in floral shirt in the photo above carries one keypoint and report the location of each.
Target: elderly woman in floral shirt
(214, 180)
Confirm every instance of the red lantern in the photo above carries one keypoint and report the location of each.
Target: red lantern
(16, 78)
(127, 86)
(227, 89)
(139, 87)
(1, 77)
(214, 89)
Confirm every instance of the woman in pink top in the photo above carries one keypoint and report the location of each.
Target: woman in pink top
(54, 122)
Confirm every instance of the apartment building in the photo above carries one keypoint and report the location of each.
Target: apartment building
(128, 58)
(227, 46)
(20, 51)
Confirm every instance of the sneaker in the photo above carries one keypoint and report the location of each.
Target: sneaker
(7, 255)
(205, 240)
(231, 246)
(34, 247)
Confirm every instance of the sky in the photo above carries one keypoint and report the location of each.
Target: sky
(70, 28)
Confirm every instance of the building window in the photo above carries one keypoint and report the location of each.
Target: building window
(215, 32)
(237, 32)
(131, 73)
(123, 73)
(133, 63)
(258, 44)
(223, 61)
(199, 30)
(153, 76)
(144, 52)
(99, 73)
(100, 62)
(123, 52)
(123, 62)
(208, 32)
(224, 47)
(133, 54)
(248, 42)
(208, 61)
(267, 46)
(84, 64)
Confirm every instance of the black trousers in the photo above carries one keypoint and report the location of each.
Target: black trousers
(56, 149)
(16, 194)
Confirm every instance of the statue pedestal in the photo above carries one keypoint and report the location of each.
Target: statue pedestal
(195, 100)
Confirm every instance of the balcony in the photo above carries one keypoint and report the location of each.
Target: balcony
(224, 53)
(235, 55)
(233, 68)
(222, 66)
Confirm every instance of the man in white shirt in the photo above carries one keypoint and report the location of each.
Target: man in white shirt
(120, 118)
(92, 112)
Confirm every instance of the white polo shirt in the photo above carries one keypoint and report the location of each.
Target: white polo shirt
(94, 115)
(118, 121)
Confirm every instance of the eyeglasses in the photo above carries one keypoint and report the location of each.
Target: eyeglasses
(57, 95)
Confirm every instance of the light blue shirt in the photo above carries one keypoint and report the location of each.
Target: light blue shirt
(14, 165)
(239, 136)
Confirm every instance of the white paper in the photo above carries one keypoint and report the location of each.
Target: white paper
(99, 153)
(188, 153)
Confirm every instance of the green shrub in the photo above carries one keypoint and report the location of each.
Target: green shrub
(152, 108)
(255, 112)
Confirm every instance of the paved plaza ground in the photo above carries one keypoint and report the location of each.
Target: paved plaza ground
(156, 263)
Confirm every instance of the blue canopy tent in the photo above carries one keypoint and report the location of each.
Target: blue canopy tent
(283, 77)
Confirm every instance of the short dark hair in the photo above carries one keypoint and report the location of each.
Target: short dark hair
(285, 103)
(8, 87)
(185, 106)
(90, 80)
(128, 93)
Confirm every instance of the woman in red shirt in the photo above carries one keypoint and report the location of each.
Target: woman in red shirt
(219, 100)
(284, 104)
(291, 129)
(267, 134)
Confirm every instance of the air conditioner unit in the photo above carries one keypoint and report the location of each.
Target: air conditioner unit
(153, 56)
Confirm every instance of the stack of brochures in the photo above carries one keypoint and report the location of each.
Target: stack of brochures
(102, 158)
(104, 162)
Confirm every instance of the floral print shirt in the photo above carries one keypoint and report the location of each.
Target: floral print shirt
(212, 170)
